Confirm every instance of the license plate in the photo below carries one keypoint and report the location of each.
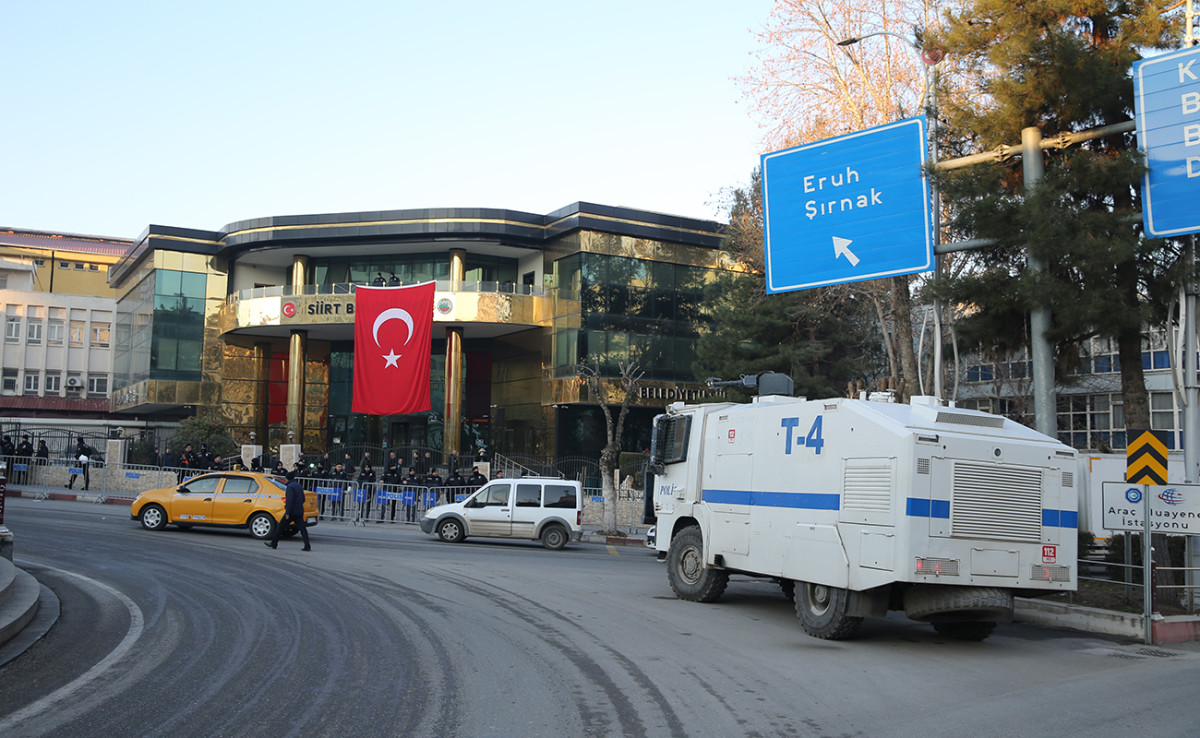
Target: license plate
(311, 521)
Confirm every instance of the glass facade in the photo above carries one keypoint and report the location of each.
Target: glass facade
(410, 269)
(629, 309)
(420, 429)
(160, 328)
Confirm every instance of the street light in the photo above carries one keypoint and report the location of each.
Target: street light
(930, 56)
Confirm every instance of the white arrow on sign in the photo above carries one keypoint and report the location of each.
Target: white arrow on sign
(841, 248)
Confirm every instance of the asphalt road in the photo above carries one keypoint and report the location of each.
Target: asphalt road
(385, 631)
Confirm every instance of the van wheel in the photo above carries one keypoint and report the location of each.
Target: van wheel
(554, 537)
(451, 531)
(689, 577)
(822, 611)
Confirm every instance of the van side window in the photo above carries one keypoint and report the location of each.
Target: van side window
(496, 495)
(529, 495)
(560, 495)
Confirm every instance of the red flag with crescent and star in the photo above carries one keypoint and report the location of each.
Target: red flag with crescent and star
(393, 333)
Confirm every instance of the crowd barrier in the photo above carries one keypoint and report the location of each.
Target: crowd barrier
(337, 500)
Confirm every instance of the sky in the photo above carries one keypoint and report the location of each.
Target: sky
(120, 114)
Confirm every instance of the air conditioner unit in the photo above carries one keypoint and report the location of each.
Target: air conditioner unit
(74, 382)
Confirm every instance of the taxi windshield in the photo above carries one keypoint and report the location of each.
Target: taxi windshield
(275, 481)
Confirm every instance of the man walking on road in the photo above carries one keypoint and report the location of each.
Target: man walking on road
(293, 511)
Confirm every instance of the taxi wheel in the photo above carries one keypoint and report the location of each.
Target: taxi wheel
(262, 526)
(153, 517)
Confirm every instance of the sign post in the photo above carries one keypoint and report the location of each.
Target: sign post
(847, 209)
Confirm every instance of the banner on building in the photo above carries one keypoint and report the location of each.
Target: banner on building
(393, 332)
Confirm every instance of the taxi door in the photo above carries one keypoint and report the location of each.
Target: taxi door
(237, 498)
(193, 500)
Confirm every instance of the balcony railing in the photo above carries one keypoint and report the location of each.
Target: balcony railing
(348, 288)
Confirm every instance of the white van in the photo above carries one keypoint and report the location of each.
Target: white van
(530, 508)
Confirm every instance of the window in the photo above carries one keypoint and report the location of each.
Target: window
(33, 332)
(77, 332)
(12, 330)
(53, 384)
(100, 334)
(93, 267)
(495, 495)
(39, 262)
(3, 281)
(97, 385)
(9, 381)
(1162, 411)
(202, 486)
(54, 332)
(529, 495)
(79, 266)
(64, 265)
(239, 486)
(32, 382)
(560, 495)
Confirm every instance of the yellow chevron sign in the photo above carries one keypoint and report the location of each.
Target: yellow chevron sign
(1146, 458)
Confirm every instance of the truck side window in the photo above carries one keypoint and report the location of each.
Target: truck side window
(560, 495)
(529, 495)
(671, 439)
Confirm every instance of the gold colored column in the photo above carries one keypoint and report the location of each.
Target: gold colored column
(458, 267)
(297, 353)
(452, 430)
(452, 427)
(299, 273)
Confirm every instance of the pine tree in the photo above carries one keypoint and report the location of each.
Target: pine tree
(1063, 66)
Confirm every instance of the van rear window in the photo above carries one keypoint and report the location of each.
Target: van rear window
(560, 495)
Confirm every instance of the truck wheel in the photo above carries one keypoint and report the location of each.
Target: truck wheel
(947, 603)
(788, 586)
(822, 611)
(969, 631)
(690, 579)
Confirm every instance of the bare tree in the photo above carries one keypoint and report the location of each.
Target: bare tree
(807, 87)
(607, 395)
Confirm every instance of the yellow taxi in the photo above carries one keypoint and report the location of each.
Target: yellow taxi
(231, 499)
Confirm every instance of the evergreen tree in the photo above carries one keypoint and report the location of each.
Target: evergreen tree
(822, 338)
(1063, 66)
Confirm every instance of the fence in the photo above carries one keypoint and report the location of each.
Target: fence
(339, 500)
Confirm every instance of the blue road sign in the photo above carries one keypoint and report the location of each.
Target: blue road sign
(1167, 103)
(848, 208)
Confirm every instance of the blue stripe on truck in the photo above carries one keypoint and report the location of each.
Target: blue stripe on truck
(805, 500)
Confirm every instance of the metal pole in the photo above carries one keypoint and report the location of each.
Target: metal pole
(1044, 409)
(1147, 560)
(937, 231)
(1191, 412)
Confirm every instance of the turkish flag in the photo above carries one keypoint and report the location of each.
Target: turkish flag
(393, 332)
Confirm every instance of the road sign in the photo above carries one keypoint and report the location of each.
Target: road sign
(1167, 104)
(848, 208)
(1173, 509)
(1146, 458)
